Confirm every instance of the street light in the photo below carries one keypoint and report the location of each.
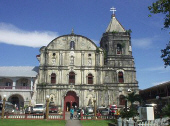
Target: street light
(94, 109)
(47, 106)
(3, 107)
(159, 105)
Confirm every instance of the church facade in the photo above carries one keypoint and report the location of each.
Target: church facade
(73, 71)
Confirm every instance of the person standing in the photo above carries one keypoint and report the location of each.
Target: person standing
(71, 112)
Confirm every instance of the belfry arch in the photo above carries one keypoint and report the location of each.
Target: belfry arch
(71, 100)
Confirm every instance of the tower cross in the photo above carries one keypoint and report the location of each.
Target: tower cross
(113, 9)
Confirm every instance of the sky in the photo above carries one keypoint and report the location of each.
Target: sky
(27, 25)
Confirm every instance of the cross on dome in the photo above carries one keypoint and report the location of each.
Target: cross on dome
(113, 9)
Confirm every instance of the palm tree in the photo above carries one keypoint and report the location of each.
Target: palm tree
(132, 97)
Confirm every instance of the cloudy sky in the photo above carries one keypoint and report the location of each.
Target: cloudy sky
(27, 25)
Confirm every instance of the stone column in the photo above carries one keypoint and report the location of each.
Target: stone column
(83, 76)
(31, 83)
(61, 59)
(14, 83)
(60, 97)
(60, 76)
(101, 76)
(97, 59)
(82, 58)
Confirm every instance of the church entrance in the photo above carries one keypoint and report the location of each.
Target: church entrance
(71, 100)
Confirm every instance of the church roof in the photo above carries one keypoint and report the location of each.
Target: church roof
(114, 25)
(18, 71)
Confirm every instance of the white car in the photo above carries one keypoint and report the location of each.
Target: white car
(39, 108)
(89, 110)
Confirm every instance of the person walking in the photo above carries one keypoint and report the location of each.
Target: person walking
(71, 113)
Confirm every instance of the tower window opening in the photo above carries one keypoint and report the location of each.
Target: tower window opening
(53, 78)
(120, 77)
(90, 79)
(72, 45)
(119, 49)
(71, 78)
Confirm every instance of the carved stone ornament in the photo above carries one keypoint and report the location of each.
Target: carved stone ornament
(53, 61)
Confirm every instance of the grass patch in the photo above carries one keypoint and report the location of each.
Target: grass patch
(96, 122)
(15, 122)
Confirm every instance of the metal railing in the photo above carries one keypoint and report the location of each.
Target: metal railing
(35, 116)
(16, 87)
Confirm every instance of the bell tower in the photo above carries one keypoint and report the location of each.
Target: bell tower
(116, 42)
(119, 62)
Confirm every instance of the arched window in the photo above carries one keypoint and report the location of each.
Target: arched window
(90, 78)
(120, 77)
(72, 45)
(53, 78)
(119, 49)
(24, 82)
(122, 100)
(71, 78)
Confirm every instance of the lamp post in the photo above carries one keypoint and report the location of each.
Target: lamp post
(3, 107)
(47, 106)
(159, 105)
(94, 109)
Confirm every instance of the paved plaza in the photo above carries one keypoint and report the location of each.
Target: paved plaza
(71, 122)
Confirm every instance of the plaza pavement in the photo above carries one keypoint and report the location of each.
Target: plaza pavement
(71, 122)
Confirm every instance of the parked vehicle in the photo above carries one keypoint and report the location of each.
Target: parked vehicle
(103, 110)
(78, 110)
(53, 109)
(9, 108)
(89, 110)
(112, 109)
(38, 109)
(29, 110)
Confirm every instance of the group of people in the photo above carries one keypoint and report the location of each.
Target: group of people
(79, 111)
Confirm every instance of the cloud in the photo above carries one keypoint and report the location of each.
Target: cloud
(10, 34)
(158, 83)
(160, 69)
(144, 43)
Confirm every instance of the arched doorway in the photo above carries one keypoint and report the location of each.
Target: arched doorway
(17, 100)
(68, 106)
(71, 100)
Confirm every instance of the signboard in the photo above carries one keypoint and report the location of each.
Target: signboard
(146, 113)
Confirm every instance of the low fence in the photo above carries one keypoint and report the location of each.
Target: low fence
(131, 122)
(101, 117)
(35, 116)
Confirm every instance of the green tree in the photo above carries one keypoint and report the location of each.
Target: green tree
(166, 110)
(163, 6)
(166, 55)
(128, 114)
(132, 97)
